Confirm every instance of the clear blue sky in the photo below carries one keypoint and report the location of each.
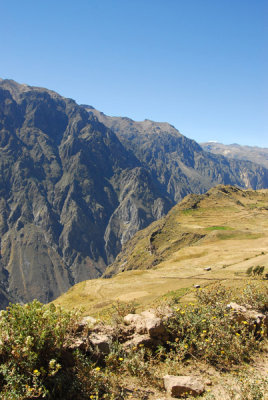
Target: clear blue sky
(199, 64)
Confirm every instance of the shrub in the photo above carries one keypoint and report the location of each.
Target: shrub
(209, 331)
(32, 339)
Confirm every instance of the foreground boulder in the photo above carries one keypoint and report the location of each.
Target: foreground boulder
(148, 323)
(100, 342)
(177, 386)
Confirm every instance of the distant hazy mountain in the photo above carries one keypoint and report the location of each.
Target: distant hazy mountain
(255, 154)
(75, 185)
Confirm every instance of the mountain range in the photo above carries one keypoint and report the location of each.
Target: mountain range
(255, 154)
(76, 185)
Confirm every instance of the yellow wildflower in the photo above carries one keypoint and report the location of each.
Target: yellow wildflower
(36, 372)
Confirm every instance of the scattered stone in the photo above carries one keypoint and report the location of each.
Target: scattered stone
(100, 342)
(147, 323)
(242, 313)
(137, 321)
(208, 382)
(155, 327)
(197, 286)
(177, 386)
(139, 341)
(77, 343)
(86, 322)
(131, 318)
(207, 269)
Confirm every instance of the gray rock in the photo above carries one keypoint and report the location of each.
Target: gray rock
(147, 322)
(177, 386)
(86, 322)
(155, 327)
(138, 341)
(137, 321)
(100, 342)
(242, 313)
(78, 343)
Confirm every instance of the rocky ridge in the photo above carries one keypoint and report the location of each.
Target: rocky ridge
(180, 164)
(250, 153)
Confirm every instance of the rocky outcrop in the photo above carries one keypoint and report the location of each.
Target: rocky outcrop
(145, 329)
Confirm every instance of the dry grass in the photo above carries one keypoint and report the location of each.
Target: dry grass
(183, 267)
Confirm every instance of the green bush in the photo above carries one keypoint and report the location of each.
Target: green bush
(208, 331)
(32, 356)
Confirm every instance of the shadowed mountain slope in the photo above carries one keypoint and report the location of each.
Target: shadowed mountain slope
(70, 193)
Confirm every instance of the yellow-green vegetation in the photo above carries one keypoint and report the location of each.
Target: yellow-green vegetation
(32, 341)
(34, 363)
(208, 330)
(203, 335)
(219, 228)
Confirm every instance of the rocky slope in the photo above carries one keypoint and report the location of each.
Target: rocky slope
(74, 188)
(178, 163)
(255, 154)
(70, 193)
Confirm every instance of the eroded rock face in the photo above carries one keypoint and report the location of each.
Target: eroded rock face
(179, 163)
(70, 194)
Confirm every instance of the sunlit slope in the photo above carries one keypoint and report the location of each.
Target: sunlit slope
(225, 229)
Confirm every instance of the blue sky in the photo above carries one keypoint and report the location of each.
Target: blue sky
(199, 64)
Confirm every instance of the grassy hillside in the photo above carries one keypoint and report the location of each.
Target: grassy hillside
(225, 229)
